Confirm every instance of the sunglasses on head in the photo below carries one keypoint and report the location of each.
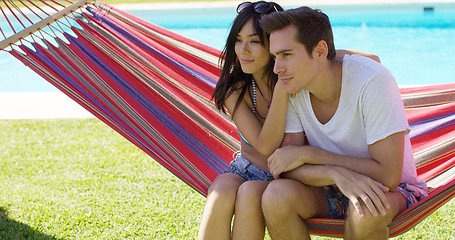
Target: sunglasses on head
(260, 7)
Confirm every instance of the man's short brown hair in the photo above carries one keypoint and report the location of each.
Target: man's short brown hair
(312, 26)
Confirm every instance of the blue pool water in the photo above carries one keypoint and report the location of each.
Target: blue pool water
(416, 45)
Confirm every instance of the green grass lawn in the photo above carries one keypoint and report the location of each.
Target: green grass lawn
(78, 179)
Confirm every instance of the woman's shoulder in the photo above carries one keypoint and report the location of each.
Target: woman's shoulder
(237, 88)
(235, 92)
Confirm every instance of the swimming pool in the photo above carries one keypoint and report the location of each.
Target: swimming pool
(414, 41)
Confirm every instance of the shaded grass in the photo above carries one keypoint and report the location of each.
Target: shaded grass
(78, 179)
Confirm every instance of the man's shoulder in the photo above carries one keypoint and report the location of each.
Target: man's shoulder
(363, 64)
(361, 74)
(364, 69)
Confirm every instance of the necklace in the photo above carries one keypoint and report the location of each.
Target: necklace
(253, 88)
(253, 83)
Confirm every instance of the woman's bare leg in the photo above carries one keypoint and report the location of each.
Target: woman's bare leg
(219, 207)
(249, 221)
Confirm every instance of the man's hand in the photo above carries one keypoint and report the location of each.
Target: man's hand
(358, 187)
(285, 159)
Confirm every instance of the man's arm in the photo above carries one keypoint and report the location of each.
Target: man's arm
(356, 186)
(385, 165)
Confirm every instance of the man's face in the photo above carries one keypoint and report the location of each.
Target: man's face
(294, 66)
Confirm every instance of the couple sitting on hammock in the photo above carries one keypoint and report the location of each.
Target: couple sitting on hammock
(333, 143)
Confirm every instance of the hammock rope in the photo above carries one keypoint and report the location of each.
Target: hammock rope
(28, 31)
(154, 86)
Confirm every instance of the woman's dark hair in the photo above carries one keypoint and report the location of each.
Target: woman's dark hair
(232, 78)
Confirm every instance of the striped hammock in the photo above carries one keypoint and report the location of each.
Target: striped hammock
(153, 87)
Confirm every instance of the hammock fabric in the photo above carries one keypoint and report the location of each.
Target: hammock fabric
(153, 87)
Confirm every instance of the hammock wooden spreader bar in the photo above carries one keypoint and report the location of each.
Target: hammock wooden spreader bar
(46, 21)
(154, 86)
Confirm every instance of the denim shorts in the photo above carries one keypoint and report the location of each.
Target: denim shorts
(410, 193)
(338, 202)
(247, 170)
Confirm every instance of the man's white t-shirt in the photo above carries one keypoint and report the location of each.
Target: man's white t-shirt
(370, 109)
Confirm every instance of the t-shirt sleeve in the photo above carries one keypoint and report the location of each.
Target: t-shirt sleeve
(293, 123)
(382, 108)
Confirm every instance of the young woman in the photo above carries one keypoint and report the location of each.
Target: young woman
(245, 89)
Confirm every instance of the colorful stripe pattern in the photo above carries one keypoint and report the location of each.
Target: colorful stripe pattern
(153, 87)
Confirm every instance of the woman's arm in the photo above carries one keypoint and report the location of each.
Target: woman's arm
(342, 52)
(267, 137)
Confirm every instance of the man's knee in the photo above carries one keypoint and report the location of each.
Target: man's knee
(275, 192)
(364, 227)
(397, 204)
(278, 193)
(368, 217)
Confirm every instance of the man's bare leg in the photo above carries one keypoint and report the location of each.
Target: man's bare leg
(286, 203)
(373, 227)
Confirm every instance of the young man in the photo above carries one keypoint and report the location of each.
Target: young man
(358, 165)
